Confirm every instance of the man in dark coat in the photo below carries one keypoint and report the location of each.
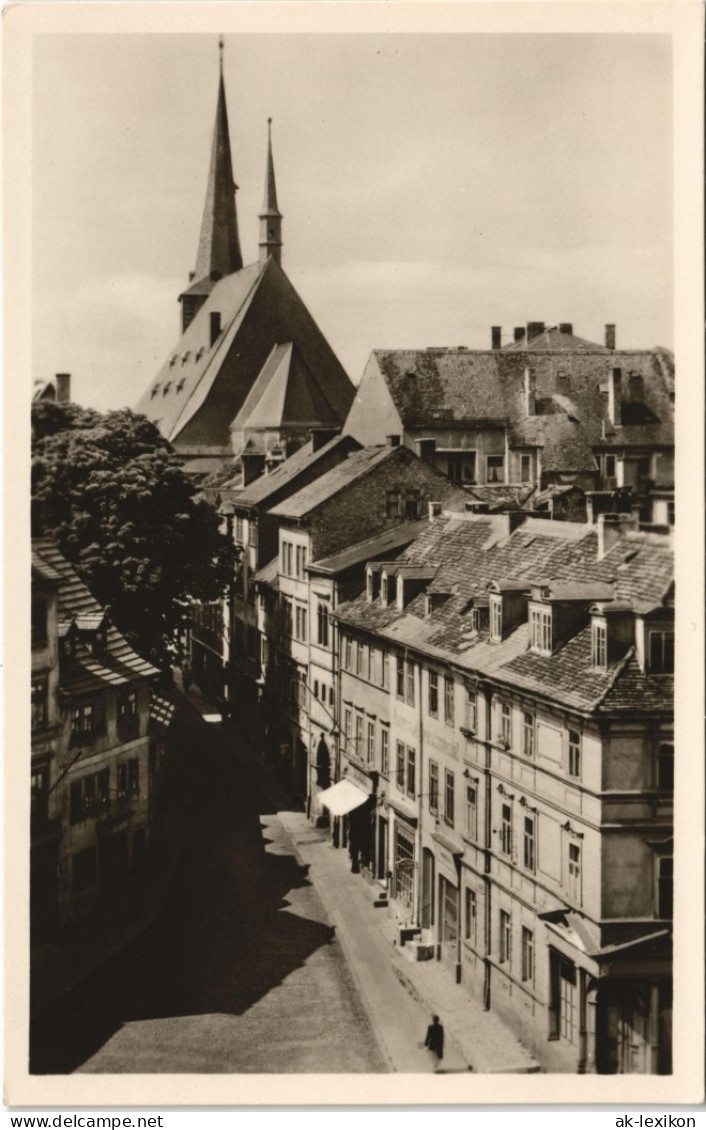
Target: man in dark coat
(435, 1039)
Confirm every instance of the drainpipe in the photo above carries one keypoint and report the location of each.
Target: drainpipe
(487, 917)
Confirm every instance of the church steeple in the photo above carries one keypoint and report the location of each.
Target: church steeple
(270, 216)
(219, 244)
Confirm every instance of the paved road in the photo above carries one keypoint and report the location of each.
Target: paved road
(240, 973)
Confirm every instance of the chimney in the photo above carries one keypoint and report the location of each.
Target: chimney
(610, 336)
(566, 328)
(63, 388)
(530, 392)
(519, 333)
(496, 333)
(611, 527)
(614, 396)
(534, 329)
(321, 436)
(215, 326)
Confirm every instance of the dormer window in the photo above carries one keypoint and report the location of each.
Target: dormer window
(599, 645)
(541, 630)
(172, 362)
(185, 356)
(155, 390)
(383, 589)
(180, 384)
(199, 353)
(369, 585)
(167, 386)
(475, 619)
(661, 651)
(496, 618)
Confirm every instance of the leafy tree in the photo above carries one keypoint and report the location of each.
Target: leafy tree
(111, 492)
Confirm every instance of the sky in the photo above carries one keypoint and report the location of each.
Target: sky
(431, 186)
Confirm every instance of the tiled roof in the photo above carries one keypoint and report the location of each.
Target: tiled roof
(471, 552)
(370, 548)
(201, 388)
(261, 489)
(442, 388)
(357, 464)
(114, 664)
(42, 569)
(268, 574)
(285, 393)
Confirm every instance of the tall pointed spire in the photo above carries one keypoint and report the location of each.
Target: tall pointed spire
(219, 244)
(270, 216)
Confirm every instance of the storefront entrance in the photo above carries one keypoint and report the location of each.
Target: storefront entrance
(427, 888)
(448, 919)
(404, 868)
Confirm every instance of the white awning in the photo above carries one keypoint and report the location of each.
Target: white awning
(342, 797)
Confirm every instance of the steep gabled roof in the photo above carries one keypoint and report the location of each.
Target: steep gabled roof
(117, 663)
(357, 464)
(267, 486)
(200, 389)
(285, 393)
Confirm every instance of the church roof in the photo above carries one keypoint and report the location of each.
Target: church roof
(285, 392)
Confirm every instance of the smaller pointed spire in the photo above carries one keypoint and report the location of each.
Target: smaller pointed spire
(270, 216)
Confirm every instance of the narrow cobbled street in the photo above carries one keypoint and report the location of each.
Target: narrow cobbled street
(241, 972)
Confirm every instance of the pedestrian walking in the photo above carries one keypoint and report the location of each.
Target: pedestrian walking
(435, 1041)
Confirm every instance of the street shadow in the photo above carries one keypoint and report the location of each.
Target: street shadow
(221, 941)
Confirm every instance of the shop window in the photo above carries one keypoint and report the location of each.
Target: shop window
(562, 1002)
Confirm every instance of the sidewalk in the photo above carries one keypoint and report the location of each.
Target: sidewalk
(400, 996)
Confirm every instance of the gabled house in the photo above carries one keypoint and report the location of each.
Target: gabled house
(547, 410)
(372, 493)
(251, 372)
(90, 749)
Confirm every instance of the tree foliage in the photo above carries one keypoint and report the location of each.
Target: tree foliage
(111, 492)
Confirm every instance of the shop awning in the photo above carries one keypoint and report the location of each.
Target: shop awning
(342, 798)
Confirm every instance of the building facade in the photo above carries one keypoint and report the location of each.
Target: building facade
(91, 767)
(546, 410)
(510, 690)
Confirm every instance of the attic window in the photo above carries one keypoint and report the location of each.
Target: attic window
(496, 618)
(181, 384)
(155, 390)
(185, 356)
(199, 353)
(541, 630)
(661, 652)
(599, 645)
(167, 386)
(172, 360)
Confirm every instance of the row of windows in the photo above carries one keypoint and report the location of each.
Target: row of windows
(293, 560)
(292, 685)
(365, 661)
(91, 793)
(295, 620)
(239, 532)
(402, 503)
(360, 738)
